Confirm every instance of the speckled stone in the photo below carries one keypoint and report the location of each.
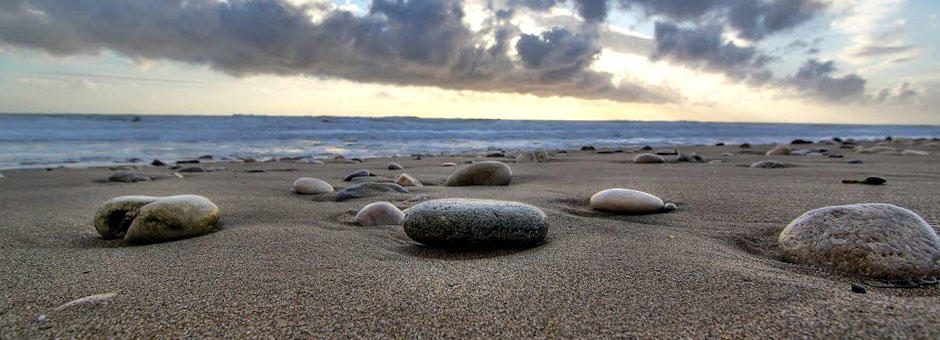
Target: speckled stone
(482, 173)
(116, 215)
(172, 218)
(460, 222)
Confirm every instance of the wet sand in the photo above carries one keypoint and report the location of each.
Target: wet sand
(286, 265)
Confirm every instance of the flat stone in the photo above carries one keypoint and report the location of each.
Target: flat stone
(395, 166)
(626, 201)
(360, 173)
(768, 164)
(587, 148)
(460, 222)
(379, 213)
(801, 141)
(368, 189)
(482, 173)
(869, 239)
(311, 186)
(114, 216)
(448, 164)
(311, 161)
(648, 158)
(406, 180)
(173, 218)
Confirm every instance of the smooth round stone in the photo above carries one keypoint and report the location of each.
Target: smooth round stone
(870, 239)
(448, 164)
(648, 158)
(311, 186)
(395, 166)
(173, 218)
(778, 151)
(460, 222)
(116, 215)
(626, 201)
(406, 180)
(768, 164)
(379, 213)
(482, 173)
(368, 189)
(360, 173)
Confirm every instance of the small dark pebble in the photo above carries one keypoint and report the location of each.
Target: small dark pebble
(618, 151)
(252, 171)
(745, 145)
(801, 141)
(157, 162)
(587, 148)
(188, 161)
(48, 169)
(360, 173)
(874, 181)
(646, 148)
(604, 152)
(563, 151)
(837, 139)
(719, 144)
(836, 156)
(667, 152)
(857, 288)
(889, 138)
(359, 160)
(496, 155)
(855, 161)
(205, 157)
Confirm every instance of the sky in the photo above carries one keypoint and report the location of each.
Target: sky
(817, 61)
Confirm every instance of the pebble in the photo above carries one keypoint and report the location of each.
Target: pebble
(447, 164)
(648, 158)
(626, 201)
(496, 155)
(768, 164)
(669, 207)
(395, 166)
(532, 157)
(667, 152)
(379, 213)
(855, 161)
(461, 222)
(778, 151)
(744, 145)
(311, 161)
(587, 148)
(915, 153)
(868, 180)
(870, 239)
(360, 173)
(192, 169)
(157, 162)
(188, 161)
(482, 173)
(311, 186)
(130, 177)
(857, 288)
(114, 216)
(368, 189)
(406, 180)
(801, 141)
(646, 148)
(172, 218)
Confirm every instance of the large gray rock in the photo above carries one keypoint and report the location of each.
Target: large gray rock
(459, 222)
(482, 173)
(368, 189)
(116, 215)
(870, 239)
(172, 218)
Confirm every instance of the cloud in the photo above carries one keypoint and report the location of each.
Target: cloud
(814, 79)
(704, 48)
(413, 42)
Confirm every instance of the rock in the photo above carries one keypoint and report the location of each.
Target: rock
(114, 216)
(205, 157)
(719, 144)
(356, 159)
(835, 156)
(157, 162)
(915, 153)
(248, 159)
(406, 180)
(837, 139)
(482, 173)
(496, 155)
(780, 150)
(311, 186)
(188, 161)
(587, 148)
(172, 218)
(360, 173)
(311, 161)
(768, 164)
(379, 213)
(869, 239)
(395, 166)
(192, 169)
(868, 180)
(460, 222)
(447, 164)
(648, 158)
(129, 177)
(605, 152)
(690, 157)
(669, 207)
(744, 145)
(124, 167)
(646, 148)
(532, 157)
(857, 288)
(800, 141)
(368, 189)
(626, 201)
(667, 152)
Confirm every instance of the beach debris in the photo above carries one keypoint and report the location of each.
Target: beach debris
(626, 201)
(482, 173)
(532, 157)
(172, 218)
(447, 164)
(88, 300)
(767, 164)
(778, 151)
(192, 169)
(311, 186)
(359, 173)
(648, 158)
(461, 222)
(876, 240)
(800, 141)
(910, 152)
(857, 288)
(868, 180)
(130, 177)
(368, 189)
(395, 166)
(379, 213)
(406, 180)
(587, 148)
(157, 162)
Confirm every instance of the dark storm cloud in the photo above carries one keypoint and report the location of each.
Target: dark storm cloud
(815, 79)
(416, 42)
(703, 47)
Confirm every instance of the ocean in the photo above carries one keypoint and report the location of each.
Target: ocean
(77, 140)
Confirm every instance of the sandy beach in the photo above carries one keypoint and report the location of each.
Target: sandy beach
(283, 265)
